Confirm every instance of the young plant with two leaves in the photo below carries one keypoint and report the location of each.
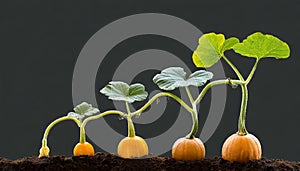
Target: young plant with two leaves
(188, 147)
(81, 111)
(132, 146)
(241, 146)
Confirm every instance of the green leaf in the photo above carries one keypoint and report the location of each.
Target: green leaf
(175, 77)
(82, 110)
(211, 48)
(117, 90)
(259, 45)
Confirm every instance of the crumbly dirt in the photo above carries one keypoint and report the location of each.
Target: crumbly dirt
(103, 161)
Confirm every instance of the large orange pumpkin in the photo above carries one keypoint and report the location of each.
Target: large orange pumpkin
(83, 149)
(132, 147)
(241, 148)
(188, 149)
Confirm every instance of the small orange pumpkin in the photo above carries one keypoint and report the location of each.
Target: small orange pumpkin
(132, 147)
(188, 149)
(83, 149)
(241, 148)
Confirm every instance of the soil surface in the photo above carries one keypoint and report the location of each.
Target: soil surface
(103, 161)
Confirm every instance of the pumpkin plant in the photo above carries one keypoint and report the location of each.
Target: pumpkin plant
(188, 147)
(132, 146)
(80, 112)
(241, 146)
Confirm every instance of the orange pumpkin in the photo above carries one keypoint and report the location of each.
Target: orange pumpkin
(241, 148)
(188, 149)
(83, 149)
(132, 147)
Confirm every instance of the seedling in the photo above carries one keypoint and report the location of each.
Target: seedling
(80, 112)
(131, 146)
(241, 146)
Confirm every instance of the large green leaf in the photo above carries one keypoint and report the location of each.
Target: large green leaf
(175, 77)
(82, 110)
(211, 48)
(117, 90)
(260, 45)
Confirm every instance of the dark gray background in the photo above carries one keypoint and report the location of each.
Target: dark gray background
(40, 42)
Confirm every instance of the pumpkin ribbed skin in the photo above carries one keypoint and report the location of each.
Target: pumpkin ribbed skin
(83, 149)
(188, 149)
(241, 148)
(132, 147)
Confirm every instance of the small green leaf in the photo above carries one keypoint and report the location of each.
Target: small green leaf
(117, 90)
(85, 109)
(259, 45)
(175, 77)
(211, 48)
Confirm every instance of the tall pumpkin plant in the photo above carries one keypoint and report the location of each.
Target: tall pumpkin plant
(241, 146)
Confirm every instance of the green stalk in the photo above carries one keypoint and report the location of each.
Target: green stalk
(189, 95)
(50, 126)
(82, 138)
(131, 130)
(194, 114)
(237, 72)
(195, 123)
(242, 118)
(193, 110)
(187, 107)
(110, 112)
(252, 71)
(214, 83)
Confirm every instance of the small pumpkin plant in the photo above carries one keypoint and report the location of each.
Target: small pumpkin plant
(188, 147)
(80, 112)
(241, 146)
(132, 146)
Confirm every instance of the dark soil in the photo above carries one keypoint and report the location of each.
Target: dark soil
(103, 161)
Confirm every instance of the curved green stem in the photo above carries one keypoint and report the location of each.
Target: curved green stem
(189, 94)
(50, 126)
(195, 123)
(110, 112)
(214, 83)
(82, 137)
(131, 130)
(193, 110)
(237, 72)
(188, 108)
(252, 72)
(242, 118)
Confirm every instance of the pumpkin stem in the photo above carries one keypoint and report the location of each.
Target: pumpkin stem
(242, 119)
(131, 131)
(82, 138)
(195, 123)
(52, 124)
